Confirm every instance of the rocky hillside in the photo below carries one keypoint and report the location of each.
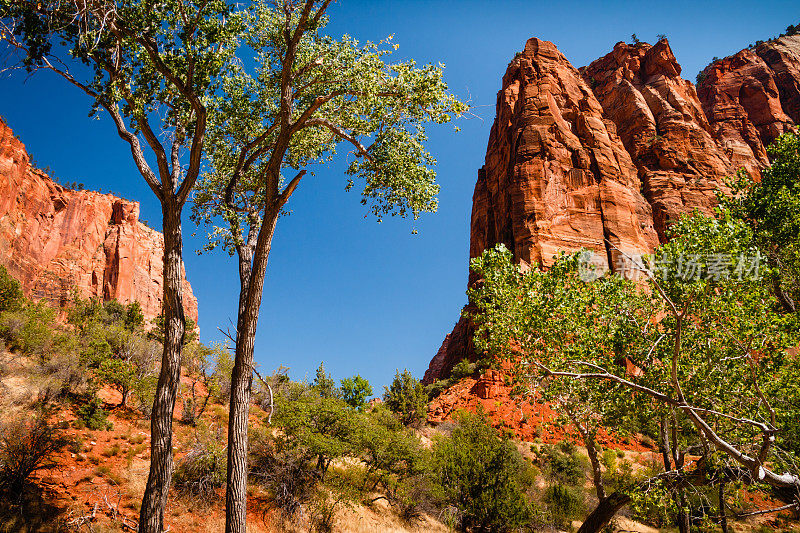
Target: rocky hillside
(54, 239)
(603, 157)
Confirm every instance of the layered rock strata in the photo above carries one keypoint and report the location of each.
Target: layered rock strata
(606, 157)
(556, 177)
(57, 241)
(661, 122)
(752, 97)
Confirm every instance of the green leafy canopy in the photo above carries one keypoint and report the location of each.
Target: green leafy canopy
(297, 102)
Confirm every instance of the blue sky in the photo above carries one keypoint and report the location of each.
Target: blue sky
(365, 297)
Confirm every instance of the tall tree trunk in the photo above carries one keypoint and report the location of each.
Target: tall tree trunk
(252, 285)
(151, 516)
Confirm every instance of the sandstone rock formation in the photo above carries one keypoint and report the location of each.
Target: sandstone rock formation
(751, 97)
(604, 158)
(557, 177)
(662, 124)
(56, 240)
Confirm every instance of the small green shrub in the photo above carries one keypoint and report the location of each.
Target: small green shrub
(462, 369)
(563, 503)
(436, 388)
(562, 463)
(93, 415)
(223, 369)
(10, 291)
(29, 330)
(407, 398)
(482, 475)
(144, 390)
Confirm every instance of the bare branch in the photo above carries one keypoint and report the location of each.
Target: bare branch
(289, 190)
(342, 134)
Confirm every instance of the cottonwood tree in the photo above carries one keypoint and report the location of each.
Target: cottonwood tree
(307, 94)
(713, 349)
(771, 208)
(152, 66)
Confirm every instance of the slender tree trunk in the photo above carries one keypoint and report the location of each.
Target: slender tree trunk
(591, 450)
(722, 510)
(252, 285)
(597, 472)
(684, 523)
(151, 516)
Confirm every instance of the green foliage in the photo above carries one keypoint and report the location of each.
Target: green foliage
(316, 431)
(713, 337)
(223, 369)
(119, 373)
(482, 475)
(564, 504)
(30, 330)
(114, 347)
(391, 452)
(144, 390)
(93, 415)
(355, 392)
(106, 344)
(284, 470)
(407, 398)
(322, 426)
(563, 463)
(324, 384)
(771, 210)
(201, 365)
(157, 332)
(160, 61)
(618, 473)
(90, 312)
(10, 291)
(343, 91)
(462, 369)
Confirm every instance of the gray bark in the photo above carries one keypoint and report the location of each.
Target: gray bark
(151, 516)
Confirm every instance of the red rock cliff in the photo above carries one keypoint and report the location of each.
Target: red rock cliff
(752, 97)
(661, 122)
(55, 239)
(557, 177)
(606, 157)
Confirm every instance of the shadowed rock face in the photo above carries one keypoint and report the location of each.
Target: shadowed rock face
(663, 127)
(606, 157)
(56, 240)
(752, 97)
(557, 177)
